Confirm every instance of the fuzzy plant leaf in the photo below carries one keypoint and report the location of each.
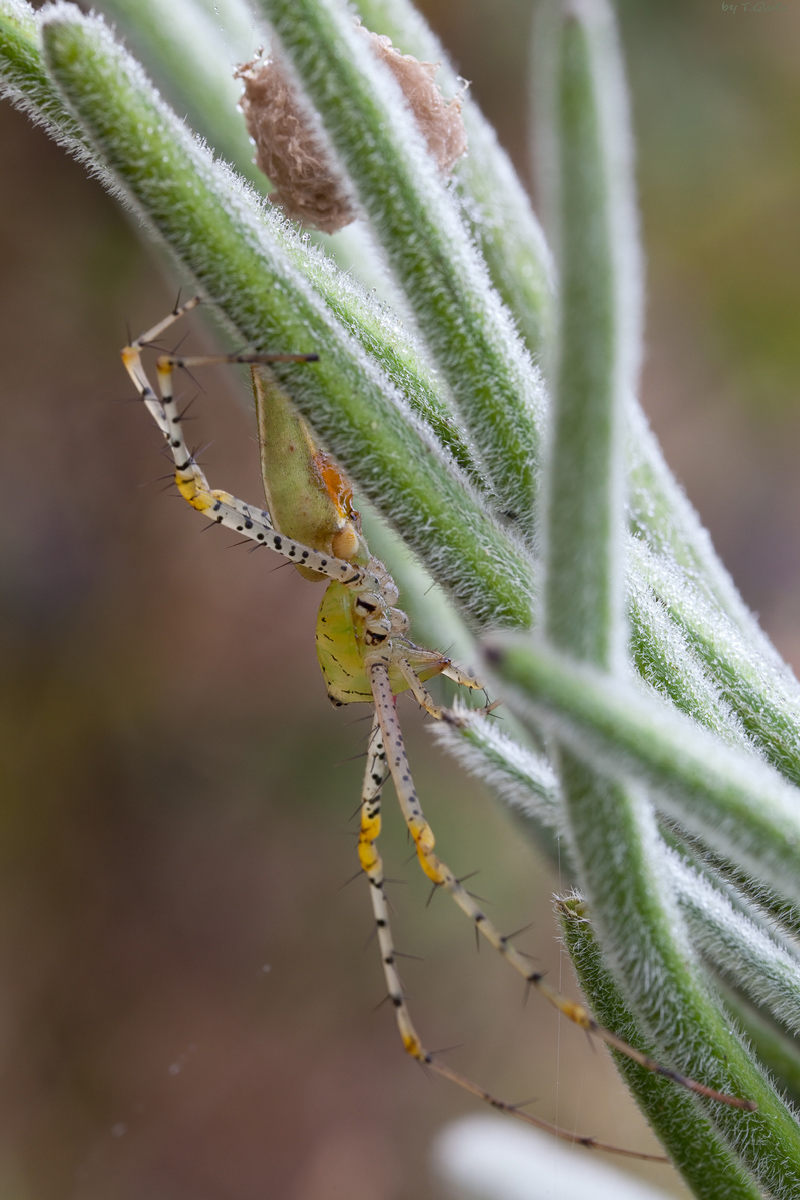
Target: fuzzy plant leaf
(246, 258)
(520, 264)
(661, 515)
(675, 528)
(739, 806)
(312, 64)
(756, 960)
(760, 693)
(695, 1147)
(25, 81)
(495, 385)
(494, 204)
(181, 44)
(732, 933)
(774, 1047)
(610, 824)
(665, 659)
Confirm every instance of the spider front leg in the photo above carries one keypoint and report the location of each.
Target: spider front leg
(441, 876)
(423, 697)
(220, 506)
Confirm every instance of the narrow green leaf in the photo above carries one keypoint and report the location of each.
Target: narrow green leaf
(613, 837)
(24, 80)
(731, 932)
(494, 204)
(709, 1168)
(496, 387)
(663, 517)
(758, 690)
(659, 977)
(519, 262)
(247, 260)
(776, 1049)
(750, 956)
(181, 45)
(524, 778)
(738, 805)
(587, 175)
(659, 509)
(665, 659)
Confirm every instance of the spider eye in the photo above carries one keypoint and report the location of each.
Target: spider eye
(368, 602)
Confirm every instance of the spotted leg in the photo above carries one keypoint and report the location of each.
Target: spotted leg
(219, 506)
(373, 868)
(423, 697)
(372, 865)
(441, 875)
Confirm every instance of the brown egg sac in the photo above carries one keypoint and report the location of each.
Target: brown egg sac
(295, 155)
(439, 120)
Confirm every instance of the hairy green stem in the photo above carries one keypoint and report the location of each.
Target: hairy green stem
(763, 699)
(694, 1146)
(733, 932)
(611, 826)
(495, 385)
(180, 44)
(660, 650)
(774, 1047)
(244, 257)
(493, 202)
(583, 613)
(663, 655)
(25, 82)
(738, 805)
(520, 265)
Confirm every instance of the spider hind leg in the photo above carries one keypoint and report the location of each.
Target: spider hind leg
(441, 875)
(375, 775)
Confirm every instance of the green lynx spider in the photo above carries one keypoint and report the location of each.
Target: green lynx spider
(364, 654)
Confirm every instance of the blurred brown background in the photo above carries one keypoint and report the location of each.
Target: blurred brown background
(187, 1008)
